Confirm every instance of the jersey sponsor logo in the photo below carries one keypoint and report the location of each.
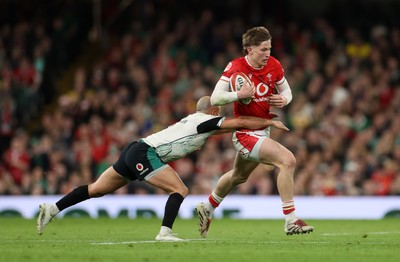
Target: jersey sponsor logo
(139, 167)
(262, 89)
(261, 99)
(144, 171)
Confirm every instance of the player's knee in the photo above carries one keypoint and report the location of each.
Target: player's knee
(183, 191)
(289, 161)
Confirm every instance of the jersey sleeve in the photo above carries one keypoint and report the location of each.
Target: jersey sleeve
(232, 67)
(210, 125)
(280, 73)
(222, 93)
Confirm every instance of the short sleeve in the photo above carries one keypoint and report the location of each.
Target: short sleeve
(210, 125)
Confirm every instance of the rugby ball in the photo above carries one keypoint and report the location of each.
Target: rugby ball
(236, 82)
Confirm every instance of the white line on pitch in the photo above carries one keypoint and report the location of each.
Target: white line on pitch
(207, 240)
(238, 242)
(358, 233)
(145, 242)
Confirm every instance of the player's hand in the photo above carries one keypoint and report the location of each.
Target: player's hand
(247, 91)
(277, 101)
(280, 125)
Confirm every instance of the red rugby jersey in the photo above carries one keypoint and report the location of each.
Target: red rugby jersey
(264, 80)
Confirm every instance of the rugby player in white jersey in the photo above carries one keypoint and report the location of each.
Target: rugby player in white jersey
(146, 160)
(269, 87)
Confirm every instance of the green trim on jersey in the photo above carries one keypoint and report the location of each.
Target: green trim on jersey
(154, 158)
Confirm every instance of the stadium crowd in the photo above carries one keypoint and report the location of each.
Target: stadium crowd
(344, 117)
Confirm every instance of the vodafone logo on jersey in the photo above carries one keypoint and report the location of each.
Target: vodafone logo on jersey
(139, 166)
(262, 89)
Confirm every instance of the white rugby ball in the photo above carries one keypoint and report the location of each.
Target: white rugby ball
(236, 82)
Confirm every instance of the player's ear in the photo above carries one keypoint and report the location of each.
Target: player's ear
(215, 111)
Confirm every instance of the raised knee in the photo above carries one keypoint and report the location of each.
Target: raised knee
(184, 191)
(289, 162)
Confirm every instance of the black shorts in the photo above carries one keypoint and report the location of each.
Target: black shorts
(139, 161)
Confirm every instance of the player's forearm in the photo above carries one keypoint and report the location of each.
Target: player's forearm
(284, 90)
(260, 123)
(255, 122)
(222, 95)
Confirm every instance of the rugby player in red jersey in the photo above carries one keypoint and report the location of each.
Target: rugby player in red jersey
(269, 87)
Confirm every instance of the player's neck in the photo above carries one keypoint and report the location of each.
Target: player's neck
(250, 62)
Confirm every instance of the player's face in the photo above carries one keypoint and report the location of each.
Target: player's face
(259, 55)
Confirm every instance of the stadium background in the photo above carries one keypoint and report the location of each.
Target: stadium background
(79, 79)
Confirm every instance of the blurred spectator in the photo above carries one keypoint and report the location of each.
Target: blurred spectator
(16, 158)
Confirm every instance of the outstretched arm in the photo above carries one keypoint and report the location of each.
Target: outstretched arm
(224, 125)
(250, 122)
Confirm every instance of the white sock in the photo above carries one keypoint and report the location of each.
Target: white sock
(213, 197)
(210, 207)
(291, 217)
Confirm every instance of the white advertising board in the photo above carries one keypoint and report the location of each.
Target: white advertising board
(234, 206)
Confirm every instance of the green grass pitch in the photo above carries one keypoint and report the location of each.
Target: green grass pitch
(123, 239)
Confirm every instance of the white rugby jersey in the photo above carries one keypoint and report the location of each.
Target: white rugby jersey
(185, 136)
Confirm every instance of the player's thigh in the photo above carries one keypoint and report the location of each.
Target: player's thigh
(169, 181)
(243, 167)
(273, 153)
(108, 182)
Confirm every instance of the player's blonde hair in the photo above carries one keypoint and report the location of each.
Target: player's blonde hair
(255, 36)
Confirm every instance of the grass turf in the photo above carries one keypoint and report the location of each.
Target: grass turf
(122, 239)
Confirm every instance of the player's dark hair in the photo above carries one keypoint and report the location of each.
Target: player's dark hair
(255, 36)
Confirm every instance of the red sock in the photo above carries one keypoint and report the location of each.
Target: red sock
(215, 200)
(288, 207)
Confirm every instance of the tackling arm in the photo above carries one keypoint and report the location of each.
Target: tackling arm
(250, 122)
(223, 125)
